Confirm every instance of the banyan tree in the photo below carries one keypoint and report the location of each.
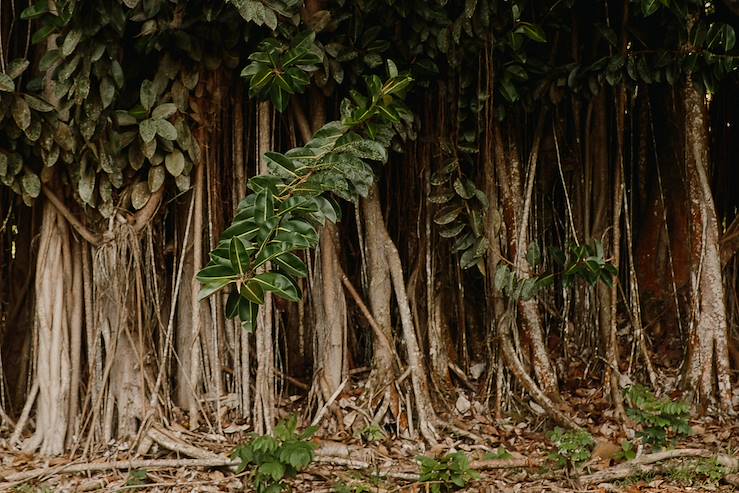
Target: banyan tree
(210, 205)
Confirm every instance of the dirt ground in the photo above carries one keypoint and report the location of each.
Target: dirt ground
(352, 464)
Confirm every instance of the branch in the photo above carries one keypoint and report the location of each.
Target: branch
(365, 311)
(630, 468)
(142, 217)
(88, 235)
(118, 464)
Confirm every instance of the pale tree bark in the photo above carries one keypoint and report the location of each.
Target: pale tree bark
(387, 253)
(379, 293)
(264, 399)
(515, 215)
(708, 355)
(53, 363)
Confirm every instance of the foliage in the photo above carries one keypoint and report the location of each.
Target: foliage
(275, 457)
(277, 71)
(26, 123)
(500, 454)
(137, 477)
(449, 473)
(627, 452)
(372, 433)
(659, 418)
(280, 217)
(353, 488)
(461, 213)
(692, 472)
(573, 447)
(581, 261)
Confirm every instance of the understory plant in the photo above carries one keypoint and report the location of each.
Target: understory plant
(277, 456)
(662, 420)
(449, 473)
(573, 447)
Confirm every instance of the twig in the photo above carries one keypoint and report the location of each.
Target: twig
(630, 468)
(293, 380)
(64, 211)
(328, 403)
(112, 465)
(180, 446)
(365, 311)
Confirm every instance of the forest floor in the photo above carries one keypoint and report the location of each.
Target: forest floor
(390, 466)
(510, 455)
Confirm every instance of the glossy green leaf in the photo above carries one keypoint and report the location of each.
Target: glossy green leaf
(278, 284)
(252, 291)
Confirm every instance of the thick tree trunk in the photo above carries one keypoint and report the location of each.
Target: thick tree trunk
(708, 356)
(53, 361)
(264, 398)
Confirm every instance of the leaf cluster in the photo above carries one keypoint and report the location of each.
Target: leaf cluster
(27, 131)
(461, 213)
(277, 70)
(275, 457)
(449, 473)
(259, 252)
(660, 418)
(573, 447)
(581, 261)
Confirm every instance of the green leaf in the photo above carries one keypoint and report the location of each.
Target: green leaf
(156, 178)
(239, 256)
(452, 231)
(532, 31)
(70, 42)
(147, 94)
(248, 314)
(164, 110)
(278, 284)
(6, 83)
(165, 130)
(21, 113)
(36, 9)
(533, 254)
(247, 229)
(252, 291)
(140, 195)
(42, 33)
(264, 207)
(213, 273)
(291, 264)
(148, 130)
(649, 7)
(175, 163)
(447, 214)
(17, 67)
(280, 165)
(275, 470)
(31, 184)
(212, 287)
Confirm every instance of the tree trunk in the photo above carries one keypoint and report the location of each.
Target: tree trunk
(708, 356)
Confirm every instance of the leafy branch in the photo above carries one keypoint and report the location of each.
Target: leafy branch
(258, 252)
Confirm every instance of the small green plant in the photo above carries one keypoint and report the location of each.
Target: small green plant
(137, 477)
(703, 470)
(500, 454)
(275, 457)
(353, 488)
(573, 447)
(372, 433)
(450, 473)
(660, 418)
(627, 452)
